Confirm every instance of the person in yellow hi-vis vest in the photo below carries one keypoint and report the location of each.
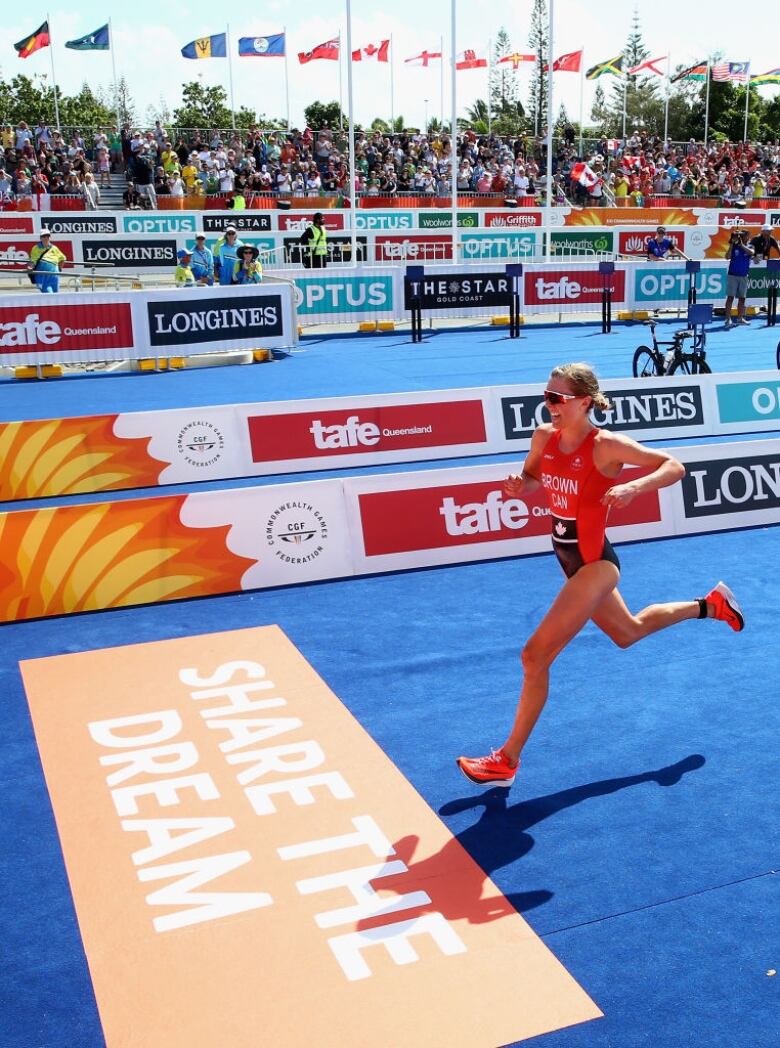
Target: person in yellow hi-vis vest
(315, 244)
(184, 277)
(45, 263)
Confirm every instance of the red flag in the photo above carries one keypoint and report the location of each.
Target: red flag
(381, 53)
(424, 58)
(469, 60)
(584, 174)
(330, 49)
(649, 65)
(516, 58)
(569, 63)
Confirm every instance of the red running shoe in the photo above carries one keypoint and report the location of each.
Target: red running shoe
(726, 606)
(493, 770)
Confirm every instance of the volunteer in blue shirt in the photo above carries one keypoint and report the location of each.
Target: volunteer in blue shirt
(202, 262)
(660, 247)
(739, 254)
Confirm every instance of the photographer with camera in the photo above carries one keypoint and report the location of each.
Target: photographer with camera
(739, 254)
(764, 244)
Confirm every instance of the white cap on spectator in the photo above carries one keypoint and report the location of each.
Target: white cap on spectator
(230, 229)
(45, 232)
(766, 228)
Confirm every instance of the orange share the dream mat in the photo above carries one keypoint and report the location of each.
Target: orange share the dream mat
(248, 866)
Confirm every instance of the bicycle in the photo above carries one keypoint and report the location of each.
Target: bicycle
(649, 363)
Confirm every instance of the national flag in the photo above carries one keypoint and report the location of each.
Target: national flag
(772, 77)
(584, 174)
(469, 60)
(694, 72)
(34, 42)
(516, 58)
(206, 47)
(613, 66)
(329, 50)
(97, 41)
(732, 71)
(569, 63)
(649, 65)
(262, 46)
(423, 59)
(381, 53)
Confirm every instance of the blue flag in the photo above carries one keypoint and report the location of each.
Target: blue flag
(97, 41)
(206, 47)
(262, 46)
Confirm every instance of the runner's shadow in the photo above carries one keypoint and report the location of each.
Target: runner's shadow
(497, 839)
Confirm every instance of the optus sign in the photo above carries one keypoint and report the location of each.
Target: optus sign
(668, 284)
(384, 220)
(309, 434)
(498, 245)
(325, 295)
(565, 286)
(748, 401)
(39, 328)
(160, 223)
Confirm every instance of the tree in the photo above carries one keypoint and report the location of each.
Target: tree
(85, 110)
(124, 105)
(643, 106)
(324, 114)
(599, 112)
(502, 79)
(537, 40)
(476, 117)
(203, 106)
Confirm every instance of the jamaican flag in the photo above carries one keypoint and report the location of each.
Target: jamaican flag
(694, 72)
(612, 65)
(34, 42)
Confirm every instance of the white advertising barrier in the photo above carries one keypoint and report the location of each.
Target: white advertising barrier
(49, 329)
(220, 442)
(251, 440)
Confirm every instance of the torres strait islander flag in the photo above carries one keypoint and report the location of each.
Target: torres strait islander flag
(468, 60)
(34, 42)
(423, 59)
(329, 50)
(380, 53)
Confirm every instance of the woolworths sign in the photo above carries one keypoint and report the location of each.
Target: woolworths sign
(574, 241)
(443, 219)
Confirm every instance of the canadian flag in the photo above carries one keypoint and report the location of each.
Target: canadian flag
(423, 59)
(469, 60)
(584, 174)
(380, 53)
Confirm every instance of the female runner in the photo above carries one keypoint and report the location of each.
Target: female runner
(577, 464)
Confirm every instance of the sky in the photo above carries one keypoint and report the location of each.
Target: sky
(149, 35)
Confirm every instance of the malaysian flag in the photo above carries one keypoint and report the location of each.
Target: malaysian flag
(737, 71)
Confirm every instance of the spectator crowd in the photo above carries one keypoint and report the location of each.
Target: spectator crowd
(152, 163)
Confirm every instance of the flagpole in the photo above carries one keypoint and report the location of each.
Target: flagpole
(454, 129)
(747, 101)
(625, 92)
(392, 88)
(353, 201)
(490, 67)
(230, 77)
(666, 106)
(707, 107)
(582, 95)
(287, 77)
(53, 74)
(113, 67)
(548, 202)
(441, 78)
(341, 92)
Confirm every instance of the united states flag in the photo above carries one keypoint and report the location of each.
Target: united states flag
(738, 71)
